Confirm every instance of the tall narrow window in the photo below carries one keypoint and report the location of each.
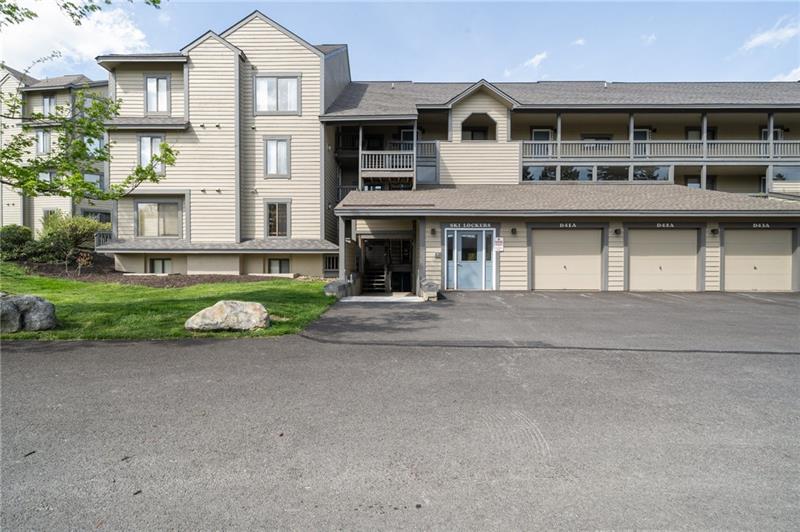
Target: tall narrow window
(157, 94)
(156, 219)
(277, 94)
(149, 146)
(276, 157)
(42, 141)
(48, 105)
(277, 219)
(95, 179)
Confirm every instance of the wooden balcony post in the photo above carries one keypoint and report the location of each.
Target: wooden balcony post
(704, 134)
(703, 176)
(630, 134)
(360, 141)
(771, 134)
(558, 135)
(414, 159)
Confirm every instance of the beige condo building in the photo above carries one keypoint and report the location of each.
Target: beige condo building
(288, 166)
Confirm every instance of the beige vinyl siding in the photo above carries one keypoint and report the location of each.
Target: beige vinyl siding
(786, 188)
(513, 261)
(480, 102)
(11, 206)
(712, 258)
(616, 258)
(378, 226)
(337, 75)
(206, 155)
(37, 207)
(433, 246)
(472, 163)
(34, 100)
(130, 87)
(308, 265)
(268, 50)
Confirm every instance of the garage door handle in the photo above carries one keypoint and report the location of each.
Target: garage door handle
(660, 268)
(755, 267)
(565, 266)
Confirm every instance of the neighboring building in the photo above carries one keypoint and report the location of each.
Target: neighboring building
(287, 166)
(40, 96)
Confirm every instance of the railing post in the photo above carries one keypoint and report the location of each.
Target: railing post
(703, 177)
(414, 158)
(360, 162)
(558, 135)
(771, 133)
(704, 134)
(630, 134)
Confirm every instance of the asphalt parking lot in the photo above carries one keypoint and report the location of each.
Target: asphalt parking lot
(617, 412)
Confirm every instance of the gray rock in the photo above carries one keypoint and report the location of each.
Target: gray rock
(34, 313)
(337, 288)
(10, 317)
(429, 289)
(229, 316)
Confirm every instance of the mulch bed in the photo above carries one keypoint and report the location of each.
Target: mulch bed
(102, 271)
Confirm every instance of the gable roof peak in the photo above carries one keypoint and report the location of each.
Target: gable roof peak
(256, 14)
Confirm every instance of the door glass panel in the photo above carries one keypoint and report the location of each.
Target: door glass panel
(469, 248)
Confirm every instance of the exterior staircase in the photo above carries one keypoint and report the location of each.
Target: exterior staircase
(374, 281)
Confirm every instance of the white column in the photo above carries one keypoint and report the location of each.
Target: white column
(558, 135)
(771, 134)
(414, 162)
(630, 133)
(704, 134)
(342, 240)
(360, 141)
(703, 176)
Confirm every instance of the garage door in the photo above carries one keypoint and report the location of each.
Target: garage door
(567, 259)
(662, 259)
(758, 260)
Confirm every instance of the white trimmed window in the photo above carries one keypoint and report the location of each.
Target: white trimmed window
(277, 219)
(95, 179)
(42, 141)
(149, 146)
(278, 266)
(276, 157)
(157, 88)
(48, 104)
(277, 94)
(157, 219)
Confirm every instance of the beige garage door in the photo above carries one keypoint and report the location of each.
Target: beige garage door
(662, 259)
(758, 260)
(567, 259)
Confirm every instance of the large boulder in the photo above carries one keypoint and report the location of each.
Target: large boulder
(29, 313)
(229, 316)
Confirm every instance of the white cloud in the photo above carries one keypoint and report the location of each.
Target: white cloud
(792, 75)
(579, 42)
(533, 63)
(103, 32)
(784, 31)
(649, 39)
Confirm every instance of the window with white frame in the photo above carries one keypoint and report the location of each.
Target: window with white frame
(158, 219)
(42, 141)
(277, 219)
(150, 145)
(46, 177)
(277, 94)
(48, 104)
(331, 264)
(157, 99)
(161, 266)
(94, 145)
(276, 157)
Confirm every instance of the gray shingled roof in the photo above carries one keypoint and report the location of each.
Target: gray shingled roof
(367, 98)
(329, 48)
(278, 245)
(64, 82)
(20, 76)
(539, 199)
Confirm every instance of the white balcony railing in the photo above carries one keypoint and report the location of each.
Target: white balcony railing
(660, 149)
(387, 161)
(426, 148)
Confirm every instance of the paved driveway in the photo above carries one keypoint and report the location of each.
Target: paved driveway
(299, 433)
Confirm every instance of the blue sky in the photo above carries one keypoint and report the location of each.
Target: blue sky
(450, 41)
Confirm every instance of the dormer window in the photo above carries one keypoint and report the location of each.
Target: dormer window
(277, 94)
(478, 126)
(157, 94)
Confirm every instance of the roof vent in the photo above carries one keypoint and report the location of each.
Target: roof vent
(393, 85)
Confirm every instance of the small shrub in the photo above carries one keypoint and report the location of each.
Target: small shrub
(65, 236)
(13, 238)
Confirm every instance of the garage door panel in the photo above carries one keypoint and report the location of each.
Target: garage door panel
(567, 259)
(662, 260)
(758, 260)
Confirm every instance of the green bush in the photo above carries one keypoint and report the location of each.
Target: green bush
(63, 237)
(13, 238)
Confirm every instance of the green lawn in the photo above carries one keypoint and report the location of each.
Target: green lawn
(117, 311)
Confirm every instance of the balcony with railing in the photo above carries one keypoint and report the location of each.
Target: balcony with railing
(664, 136)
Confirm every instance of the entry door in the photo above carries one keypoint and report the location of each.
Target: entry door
(469, 260)
(541, 135)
